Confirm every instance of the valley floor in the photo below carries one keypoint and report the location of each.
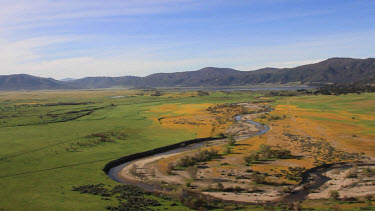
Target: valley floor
(52, 141)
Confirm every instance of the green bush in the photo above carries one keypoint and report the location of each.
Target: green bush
(251, 158)
(334, 194)
(201, 156)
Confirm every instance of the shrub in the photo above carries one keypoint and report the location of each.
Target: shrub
(237, 189)
(202, 93)
(334, 194)
(133, 170)
(251, 158)
(134, 196)
(369, 197)
(98, 189)
(282, 154)
(265, 148)
(294, 173)
(231, 141)
(220, 186)
(368, 171)
(221, 135)
(227, 150)
(192, 171)
(201, 156)
(170, 168)
(258, 178)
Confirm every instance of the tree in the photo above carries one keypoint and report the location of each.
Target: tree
(231, 141)
(283, 154)
(251, 158)
(265, 148)
(202, 93)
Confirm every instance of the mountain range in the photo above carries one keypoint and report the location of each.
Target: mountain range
(333, 70)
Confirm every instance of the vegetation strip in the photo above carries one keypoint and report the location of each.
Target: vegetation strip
(152, 152)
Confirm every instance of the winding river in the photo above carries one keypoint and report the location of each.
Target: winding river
(299, 195)
(114, 171)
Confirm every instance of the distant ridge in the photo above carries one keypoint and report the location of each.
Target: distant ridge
(333, 70)
(67, 79)
(29, 82)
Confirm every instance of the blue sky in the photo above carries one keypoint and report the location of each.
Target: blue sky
(74, 38)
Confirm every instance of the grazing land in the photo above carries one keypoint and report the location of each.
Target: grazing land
(52, 143)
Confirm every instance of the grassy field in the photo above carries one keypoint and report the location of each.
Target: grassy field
(348, 120)
(51, 141)
(47, 143)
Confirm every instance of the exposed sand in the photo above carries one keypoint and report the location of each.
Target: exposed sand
(248, 197)
(358, 186)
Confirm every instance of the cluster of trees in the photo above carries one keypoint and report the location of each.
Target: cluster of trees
(266, 152)
(368, 171)
(282, 93)
(202, 93)
(201, 156)
(156, 93)
(220, 108)
(272, 117)
(293, 173)
(129, 197)
(135, 203)
(109, 136)
(332, 89)
(200, 202)
(67, 103)
(96, 139)
(322, 149)
(253, 157)
(339, 89)
(98, 189)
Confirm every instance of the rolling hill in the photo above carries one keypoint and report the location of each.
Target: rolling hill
(334, 70)
(29, 82)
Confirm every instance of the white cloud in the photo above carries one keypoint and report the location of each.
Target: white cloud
(26, 13)
(89, 66)
(23, 55)
(20, 57)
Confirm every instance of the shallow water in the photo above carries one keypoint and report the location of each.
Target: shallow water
(113, 172)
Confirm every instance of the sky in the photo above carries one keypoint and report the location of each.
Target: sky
(79, 38)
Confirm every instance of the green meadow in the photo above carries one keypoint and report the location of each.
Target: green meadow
(352, 109)
(355, 103)
(52, 144)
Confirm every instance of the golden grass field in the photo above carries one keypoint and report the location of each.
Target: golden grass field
(348, 132)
